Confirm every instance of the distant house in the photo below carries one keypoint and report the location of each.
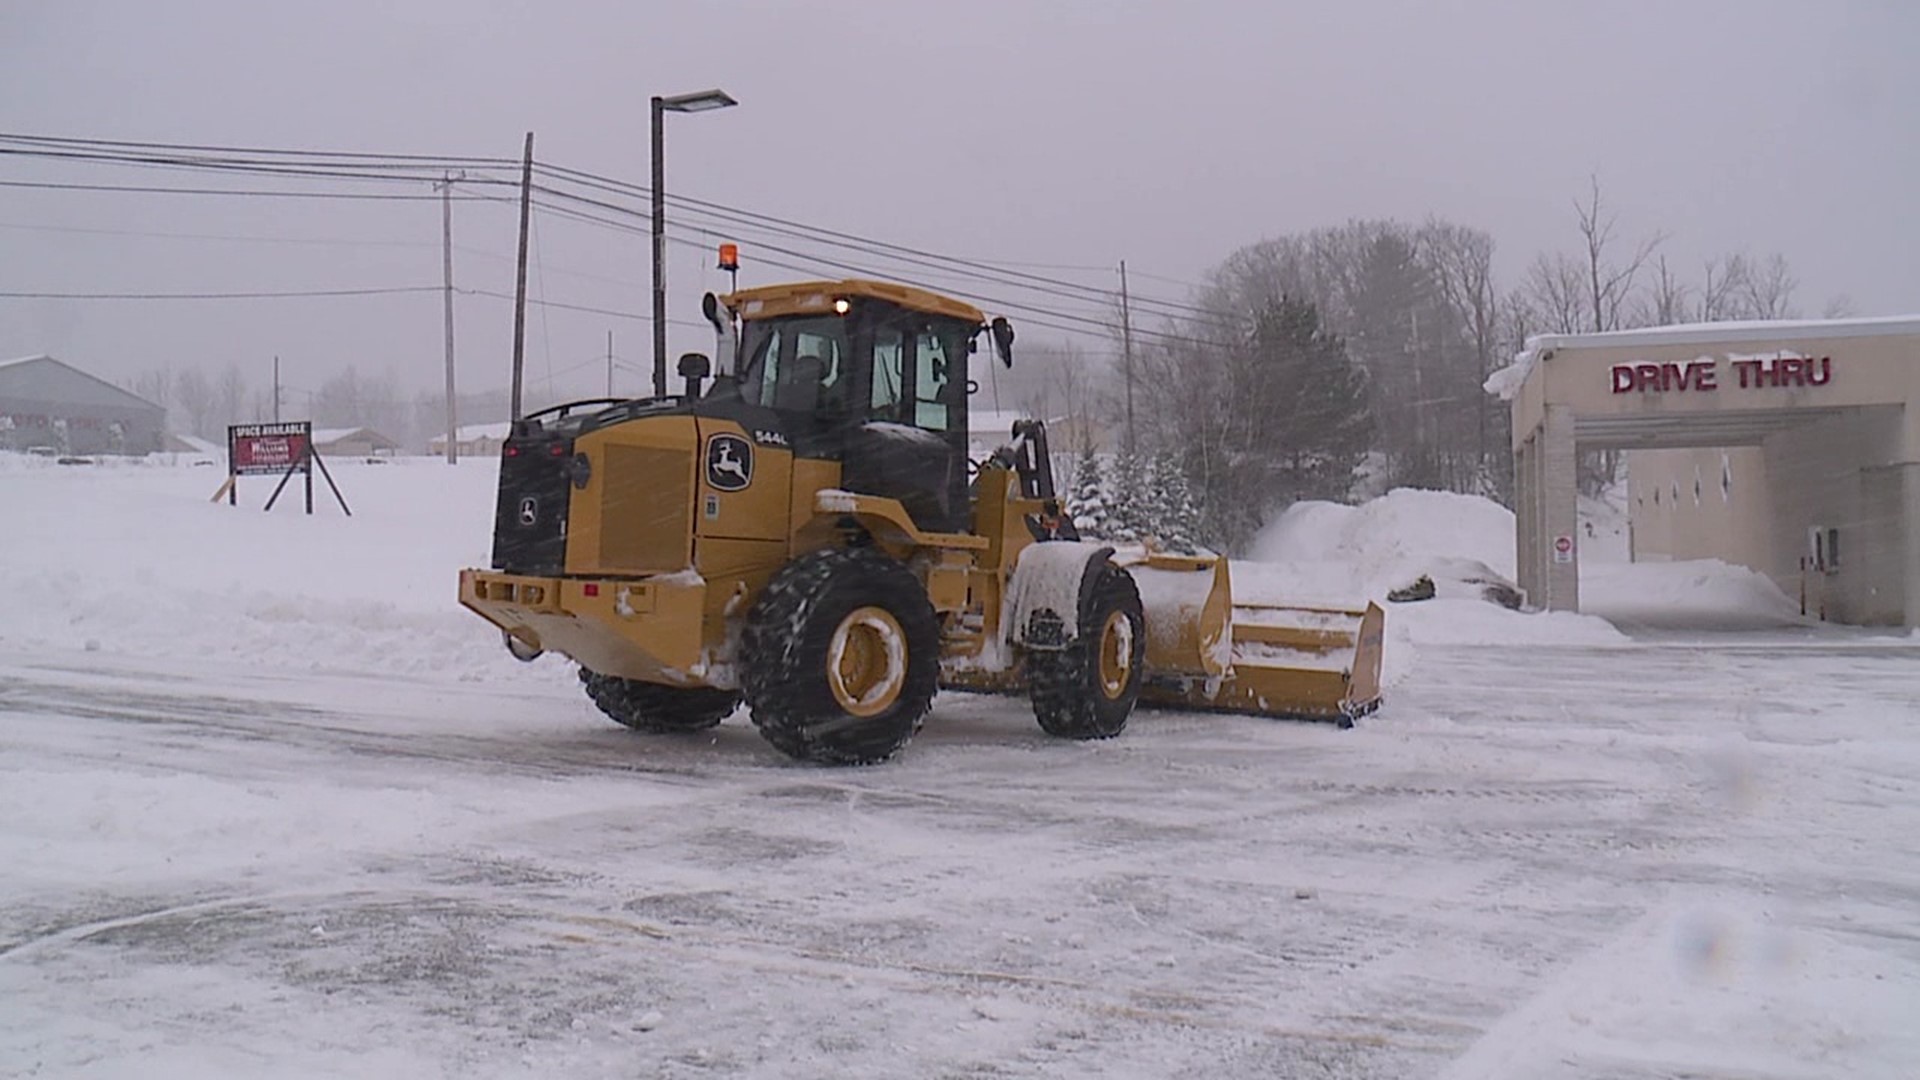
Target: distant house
(474, 440)
(352, 442)
(191, 444)
(47, 404)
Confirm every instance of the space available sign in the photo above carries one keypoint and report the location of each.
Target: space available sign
(1706, 375)
(253, 449)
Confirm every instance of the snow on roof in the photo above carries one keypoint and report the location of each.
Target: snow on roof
(72, 385)
(323, 436)
(200, 445)
(1506, 382)
(473, 432)
(999, 421)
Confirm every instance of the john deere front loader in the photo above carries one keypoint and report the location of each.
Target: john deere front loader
(802, 530)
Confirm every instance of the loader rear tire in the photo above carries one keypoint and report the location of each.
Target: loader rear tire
(1088, 689)
(840, 657)
(657, 709)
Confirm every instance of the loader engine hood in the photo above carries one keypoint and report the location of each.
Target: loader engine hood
(539, 470)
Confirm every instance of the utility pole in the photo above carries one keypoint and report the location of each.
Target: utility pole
(609, 363)
(659, 252)
(276, 389)
(520, 275)
(446, 251)
(1126, 350)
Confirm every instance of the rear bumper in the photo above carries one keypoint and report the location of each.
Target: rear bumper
(647, 628)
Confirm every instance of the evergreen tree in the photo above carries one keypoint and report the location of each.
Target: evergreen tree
(1126, 518)
(1321, 395)
(1088, 501)
(1177, 524)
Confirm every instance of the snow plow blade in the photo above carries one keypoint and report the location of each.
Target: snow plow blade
(1204, 651)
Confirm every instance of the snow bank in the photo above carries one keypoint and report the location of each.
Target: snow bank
(130, 557)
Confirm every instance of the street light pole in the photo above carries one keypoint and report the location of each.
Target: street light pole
(696, 102)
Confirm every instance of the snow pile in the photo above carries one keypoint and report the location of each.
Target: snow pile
(1326, 553)
(1699, 593)
(1392, 538)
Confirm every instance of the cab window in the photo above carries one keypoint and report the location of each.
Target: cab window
(889, 349)
(797, 365)
(932, 372)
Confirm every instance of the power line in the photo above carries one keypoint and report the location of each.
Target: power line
(251, 193)
(269, 295)
(354, 167)
(434, 158)
(580, 307)
(227, 237)
(872, 246)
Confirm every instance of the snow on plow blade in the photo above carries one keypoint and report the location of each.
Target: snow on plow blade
(1205, 651)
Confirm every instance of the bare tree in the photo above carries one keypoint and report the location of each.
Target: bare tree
(1839, 306)
(196, 397)
(232, 394)
(1553, 292)
(1725, 277)
(1609, 284)
(1769, 289)
(1667, 298)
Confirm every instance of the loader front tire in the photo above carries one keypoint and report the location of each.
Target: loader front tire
(1087, 690)
(657, 709)
(840, 657)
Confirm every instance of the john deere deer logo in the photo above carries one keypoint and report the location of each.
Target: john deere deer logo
(729, 462)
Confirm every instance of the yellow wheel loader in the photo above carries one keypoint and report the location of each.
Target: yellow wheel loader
(808, 535)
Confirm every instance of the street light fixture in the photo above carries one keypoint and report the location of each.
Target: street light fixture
(703, 101)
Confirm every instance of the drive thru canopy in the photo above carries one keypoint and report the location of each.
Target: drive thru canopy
(1833, 407)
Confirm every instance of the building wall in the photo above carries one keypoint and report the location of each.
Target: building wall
(1701, 504)
(1843, 473)
(78, 429)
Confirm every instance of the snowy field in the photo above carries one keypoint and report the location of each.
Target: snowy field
(272, 805)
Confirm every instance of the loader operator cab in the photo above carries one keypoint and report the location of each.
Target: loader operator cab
(875, 381)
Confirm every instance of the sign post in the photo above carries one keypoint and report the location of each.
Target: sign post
(265, 449)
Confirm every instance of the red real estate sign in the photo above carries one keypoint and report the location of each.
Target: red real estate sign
(253, 449)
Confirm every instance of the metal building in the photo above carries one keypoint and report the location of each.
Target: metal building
(51, 406)
(1789, 447)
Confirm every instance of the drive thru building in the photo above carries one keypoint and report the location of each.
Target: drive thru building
(1789, 447)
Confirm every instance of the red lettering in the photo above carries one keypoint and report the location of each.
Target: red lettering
(1790, 373)
(1622, 378)
(1746, 369)
(1646, 377)
(1672, 378)
(1705, 377)
(1826, 372)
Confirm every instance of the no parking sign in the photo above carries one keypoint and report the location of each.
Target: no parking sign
(1563, 549)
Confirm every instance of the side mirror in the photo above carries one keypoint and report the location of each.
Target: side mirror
(1002, 331)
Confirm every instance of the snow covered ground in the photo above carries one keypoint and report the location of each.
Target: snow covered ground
(271, 805)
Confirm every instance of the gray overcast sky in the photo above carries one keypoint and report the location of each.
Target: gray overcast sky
(1076, 133)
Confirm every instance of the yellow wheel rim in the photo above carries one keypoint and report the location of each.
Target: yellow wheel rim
(867, 661)
(1116, 654)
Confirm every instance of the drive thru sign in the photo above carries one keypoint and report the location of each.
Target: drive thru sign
(1563, 549)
